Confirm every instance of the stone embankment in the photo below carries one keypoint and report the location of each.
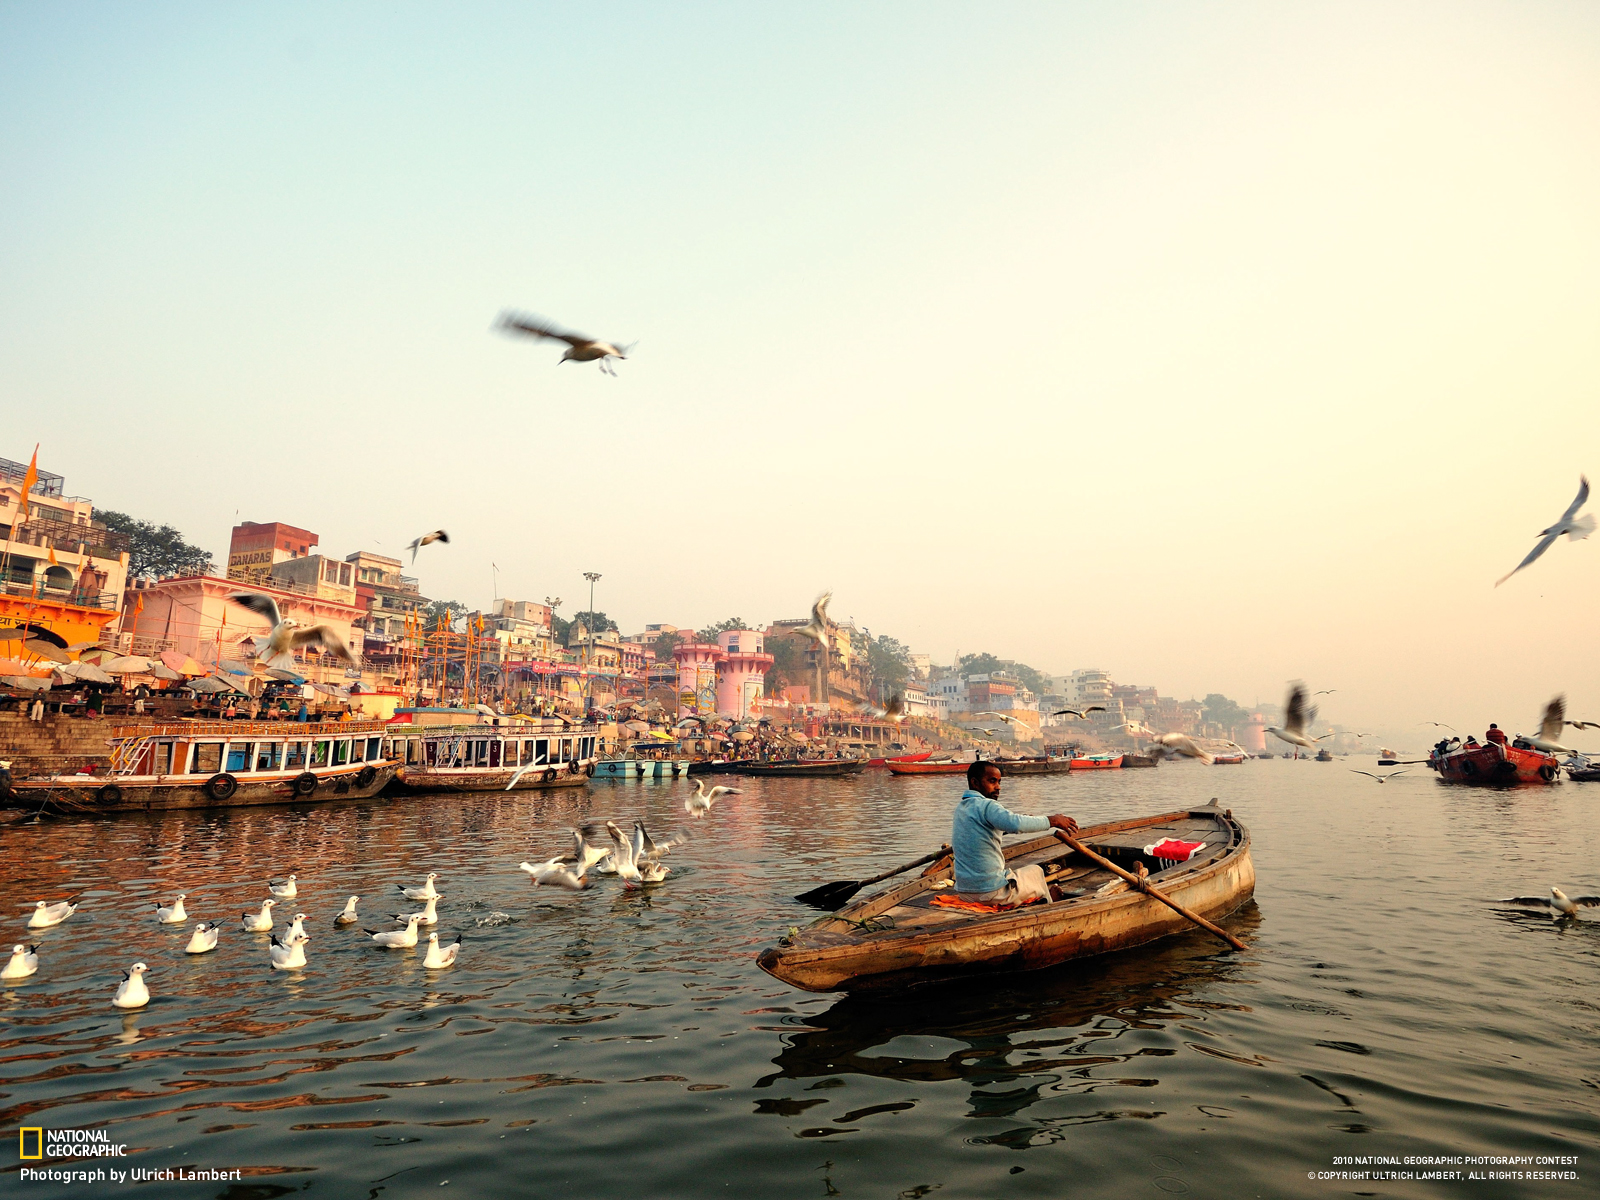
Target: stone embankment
(55, 745)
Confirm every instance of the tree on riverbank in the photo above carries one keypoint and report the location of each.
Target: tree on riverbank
(155, 551)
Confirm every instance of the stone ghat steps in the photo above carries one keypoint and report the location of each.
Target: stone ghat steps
(55, 745)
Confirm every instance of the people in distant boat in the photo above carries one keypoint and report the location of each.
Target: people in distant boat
(1471, 741)
(979, 864)
(1495, 735)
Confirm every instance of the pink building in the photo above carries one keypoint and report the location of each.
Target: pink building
(195, 617)
(742, 674)
(697, 678)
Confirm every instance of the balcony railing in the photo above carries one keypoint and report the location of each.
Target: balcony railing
(74, 596)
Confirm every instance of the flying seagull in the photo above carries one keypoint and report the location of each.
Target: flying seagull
(287, 635)
(579, 347)
(817, 631)
(1440, 724)
(1325, 692)
(427, 539)
(699, 804)
(1379, 778)
(1559, 904)
(1296, 717)
(1002, 716)
(1081, 713)
(1184, 745)
(1550, 726)
(1575, 527)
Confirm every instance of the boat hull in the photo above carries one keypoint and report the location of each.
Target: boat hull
(487, 779)
(93, 794)
(1496, 766)
(1100, 762)
(1023, 939)
(927, 768)
(1129, 761)
(804, 770)
(1032, 766)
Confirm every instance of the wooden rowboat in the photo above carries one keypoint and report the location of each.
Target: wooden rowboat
(805, 770)
(1033, 766)
(898, 936)
(927, 768)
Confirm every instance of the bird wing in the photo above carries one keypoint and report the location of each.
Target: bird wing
(1368, 774)
(325, 637)
(1394, 774)
(1586, 901)
(535, 326)
(819, 610)
(1577, 503)
(256, 602)
(644, 846)
(438, 535)
(1294, 710)
(1544, 545)
(988, 714)
(1584, 724)
(1555, 716)
(1526, 901)
(622, 848)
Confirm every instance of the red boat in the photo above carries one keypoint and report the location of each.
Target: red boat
(1097, 762)
(1493, 765)
(904, 758)
(897, 767)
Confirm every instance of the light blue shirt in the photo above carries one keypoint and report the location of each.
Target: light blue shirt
(980, 865)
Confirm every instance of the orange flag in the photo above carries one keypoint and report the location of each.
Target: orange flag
(138, 605)
(29, 479)
(53, 561)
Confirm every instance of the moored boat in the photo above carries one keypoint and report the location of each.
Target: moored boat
(1097, 762)
(804, 769)
(1323, 755)
(1130, 761)
(1033, 766)
(224, 764)
(928, 767)
(905, 935)
(1492, 764)
(494, 758)
(921, 756)
(1226, 760)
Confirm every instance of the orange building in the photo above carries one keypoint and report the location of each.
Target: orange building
(254, 549)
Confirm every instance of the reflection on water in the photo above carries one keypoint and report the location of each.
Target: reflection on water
(1384, 1006)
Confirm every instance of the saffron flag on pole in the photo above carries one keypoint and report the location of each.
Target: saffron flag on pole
(53, 561)
(30, 478)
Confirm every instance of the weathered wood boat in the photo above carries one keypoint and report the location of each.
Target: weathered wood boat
(716, 766)
(1033, 766)
(1493, 764)
(224, 764)
(942, 767)
(1097, 762)
(805, 769)
(488, 758)
(1130, 761)
(1581, 770)
(902, 935)
(1230, 760)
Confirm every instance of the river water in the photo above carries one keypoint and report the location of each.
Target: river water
(624, 1044)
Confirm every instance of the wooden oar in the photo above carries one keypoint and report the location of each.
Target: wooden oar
(1142, 882)
(832, 895)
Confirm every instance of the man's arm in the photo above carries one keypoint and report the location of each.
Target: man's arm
(998, 816)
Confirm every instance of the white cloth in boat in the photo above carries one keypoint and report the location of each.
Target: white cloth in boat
(1023, 885)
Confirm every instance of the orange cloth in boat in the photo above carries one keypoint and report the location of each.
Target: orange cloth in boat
(943, 901)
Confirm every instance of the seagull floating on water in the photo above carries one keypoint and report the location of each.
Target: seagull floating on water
(555, 873)
(348, 916)
(579, 347)
(699, 804)
(174, 915)
(24, 961)
(287, 635)
(285, 890)
(260, 922)
(428, 916)
(297, 928)
(1559, 903)
(131, 992)
(46, 915)
(398, 939)
(426, 892)
(438, 956)
(427, 539)
(203, 939)
(1296, 716)
(288, 954)
(1575, 527)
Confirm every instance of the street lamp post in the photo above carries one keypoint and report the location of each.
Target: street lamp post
(591, 576)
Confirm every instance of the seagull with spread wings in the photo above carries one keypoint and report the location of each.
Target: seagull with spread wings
(1575, 527)
(1379, 778)
(817, 631)
(1550, 727)
(427, 539)
(287, 635)
(579, 347)
(1081, 713)
(1296, 716)
(1558, 905)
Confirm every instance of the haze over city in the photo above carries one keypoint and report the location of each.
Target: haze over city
(1213, 346)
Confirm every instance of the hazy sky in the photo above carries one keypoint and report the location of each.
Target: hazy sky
(1213, 344)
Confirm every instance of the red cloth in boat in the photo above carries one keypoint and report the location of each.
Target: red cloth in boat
(944, 901)
(1173, 850)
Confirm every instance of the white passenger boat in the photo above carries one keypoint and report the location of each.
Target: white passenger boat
(493, 758)
(224, 764)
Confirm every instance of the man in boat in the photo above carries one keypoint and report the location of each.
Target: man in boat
(1495, 734)
(979, 864)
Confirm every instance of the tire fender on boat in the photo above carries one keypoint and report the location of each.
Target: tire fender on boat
(304, 784)
(1547, 772)
(109, 794)
(590, 771)
(366, 775)
(221, 786)
(548, 776)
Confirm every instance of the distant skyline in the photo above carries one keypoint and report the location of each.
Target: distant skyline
(1216, 345)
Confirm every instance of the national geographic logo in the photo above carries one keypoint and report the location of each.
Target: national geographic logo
(32, 1143)
(67, 1143)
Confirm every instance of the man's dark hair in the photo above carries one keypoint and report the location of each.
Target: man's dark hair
(975, 771)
